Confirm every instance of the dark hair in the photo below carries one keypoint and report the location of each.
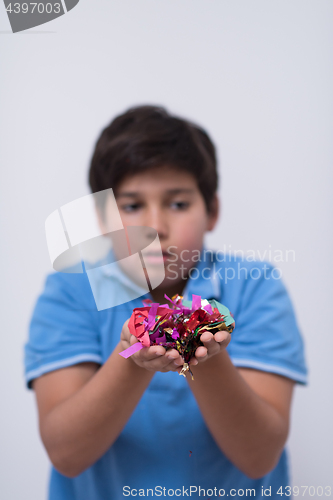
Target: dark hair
(148, 136)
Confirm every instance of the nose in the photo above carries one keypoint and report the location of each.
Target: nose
(156, 219)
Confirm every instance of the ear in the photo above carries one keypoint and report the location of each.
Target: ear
(214, 214)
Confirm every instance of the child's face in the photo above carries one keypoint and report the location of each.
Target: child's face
(168, 200)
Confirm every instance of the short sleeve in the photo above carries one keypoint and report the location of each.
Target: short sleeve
(267, 336)
(63, 329)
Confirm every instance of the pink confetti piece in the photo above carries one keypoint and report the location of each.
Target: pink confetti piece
(175, 334)
(176, 306)
(131, 350)
(196, 302)
(161, 340)
(151, 315)
(209, 309)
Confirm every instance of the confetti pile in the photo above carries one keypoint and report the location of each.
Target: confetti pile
(179, 326)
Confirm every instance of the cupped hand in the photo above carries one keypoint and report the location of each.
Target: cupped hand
(212, 344)
(153, 358)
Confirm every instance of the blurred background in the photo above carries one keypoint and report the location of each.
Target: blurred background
(258, 76)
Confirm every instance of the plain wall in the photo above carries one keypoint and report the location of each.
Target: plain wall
(258, 75)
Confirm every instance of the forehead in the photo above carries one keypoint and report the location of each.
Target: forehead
(158, 179)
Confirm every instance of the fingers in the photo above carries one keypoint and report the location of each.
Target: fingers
(222, 337)
(150, 353)
(156, 358)
(173, 355)
(206, 337)
(212, 344)
(209, 347)
(175, 361)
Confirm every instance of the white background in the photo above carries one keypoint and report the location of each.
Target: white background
(258, 75)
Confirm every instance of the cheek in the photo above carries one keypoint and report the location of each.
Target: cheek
(191, 232)
(189, 239)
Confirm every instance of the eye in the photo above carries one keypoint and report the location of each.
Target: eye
(180, 205)
(130, 207)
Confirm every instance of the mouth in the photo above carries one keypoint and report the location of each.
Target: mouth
(157, 256)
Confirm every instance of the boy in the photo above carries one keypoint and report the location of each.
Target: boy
(116, 427)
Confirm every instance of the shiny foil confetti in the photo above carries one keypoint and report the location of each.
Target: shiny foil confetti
(178, 325)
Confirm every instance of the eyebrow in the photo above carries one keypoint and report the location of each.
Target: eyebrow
(132, 194)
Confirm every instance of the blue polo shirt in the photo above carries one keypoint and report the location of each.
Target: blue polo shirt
(166, 449)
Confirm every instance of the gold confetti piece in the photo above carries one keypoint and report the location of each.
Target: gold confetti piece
(186, 368)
